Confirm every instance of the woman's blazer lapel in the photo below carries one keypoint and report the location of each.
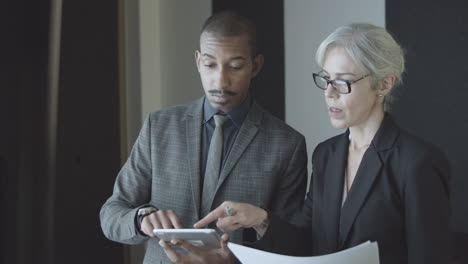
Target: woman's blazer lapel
(333, 181)
(368, 172)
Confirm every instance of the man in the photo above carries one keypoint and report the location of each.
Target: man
(172, 178)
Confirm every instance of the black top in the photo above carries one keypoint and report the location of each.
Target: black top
(399, 198)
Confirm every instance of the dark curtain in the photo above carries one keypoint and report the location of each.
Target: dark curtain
(87, 150)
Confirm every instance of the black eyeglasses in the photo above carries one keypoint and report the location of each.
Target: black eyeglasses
(341, 86)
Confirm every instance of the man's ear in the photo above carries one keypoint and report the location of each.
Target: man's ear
(197, 59)
(257, 64)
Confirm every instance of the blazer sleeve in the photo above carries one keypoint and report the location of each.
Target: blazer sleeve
(285, 238)
(292, 186)
(132, 191)
(427, 209)
(292, 237)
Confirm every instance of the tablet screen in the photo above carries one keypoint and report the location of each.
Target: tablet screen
(203, 238)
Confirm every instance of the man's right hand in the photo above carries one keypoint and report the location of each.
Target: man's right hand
(161, 219)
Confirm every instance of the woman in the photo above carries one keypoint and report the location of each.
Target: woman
(375, 181)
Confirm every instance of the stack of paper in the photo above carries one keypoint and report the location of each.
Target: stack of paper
(366, 253)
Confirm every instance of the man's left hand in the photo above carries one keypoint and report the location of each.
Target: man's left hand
(197, 255)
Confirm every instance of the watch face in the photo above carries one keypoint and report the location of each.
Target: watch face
(147, 210)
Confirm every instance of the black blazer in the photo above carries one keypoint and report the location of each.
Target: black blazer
(399, 198)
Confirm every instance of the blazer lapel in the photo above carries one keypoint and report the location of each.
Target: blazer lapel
(193, 125)
(366, 175)
(333, 190)
(247, 132)
(368, 171)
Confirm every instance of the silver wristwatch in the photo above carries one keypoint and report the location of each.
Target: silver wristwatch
(142, 212)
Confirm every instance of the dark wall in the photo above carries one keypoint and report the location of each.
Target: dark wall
(9, 125)
(268, 86)
(87, 135)
(432, 103)
(22, 114)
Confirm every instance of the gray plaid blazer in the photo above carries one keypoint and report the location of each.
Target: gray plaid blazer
(267, 167)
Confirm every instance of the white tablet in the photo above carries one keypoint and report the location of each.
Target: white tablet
(203, 238)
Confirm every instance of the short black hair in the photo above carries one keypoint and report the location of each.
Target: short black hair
(228, 24)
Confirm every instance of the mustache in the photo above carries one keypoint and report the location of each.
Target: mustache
(222, 92)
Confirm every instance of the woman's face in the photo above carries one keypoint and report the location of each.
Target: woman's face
(357, 108)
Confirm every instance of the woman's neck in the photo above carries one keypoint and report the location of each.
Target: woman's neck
(361, 136)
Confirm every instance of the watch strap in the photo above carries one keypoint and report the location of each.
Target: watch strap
(141, 213)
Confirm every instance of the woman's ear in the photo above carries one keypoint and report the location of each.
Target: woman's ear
(387, 84)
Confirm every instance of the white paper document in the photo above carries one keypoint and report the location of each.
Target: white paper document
(365, 253)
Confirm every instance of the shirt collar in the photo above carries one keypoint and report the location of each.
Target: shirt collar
(237, 114)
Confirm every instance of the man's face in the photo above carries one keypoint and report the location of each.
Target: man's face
(226, 67)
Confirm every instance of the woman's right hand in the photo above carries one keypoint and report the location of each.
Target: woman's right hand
(231, 216)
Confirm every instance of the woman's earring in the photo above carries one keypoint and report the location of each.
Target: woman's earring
(380, 94)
